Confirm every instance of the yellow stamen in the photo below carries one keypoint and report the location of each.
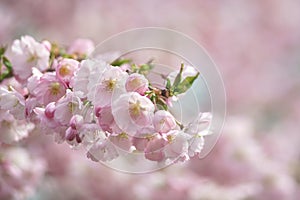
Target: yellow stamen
(64, 70)
(135, 109)
(110, 84)
(54, 88)
(32, 58)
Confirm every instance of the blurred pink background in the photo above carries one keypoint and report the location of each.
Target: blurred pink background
(256, 45)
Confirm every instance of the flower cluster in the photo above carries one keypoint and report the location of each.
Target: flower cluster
(110, 107)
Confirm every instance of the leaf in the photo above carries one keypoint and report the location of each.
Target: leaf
(119, 62)
(2, 50)
(145, 68)
(185, 84)
(8, 72)
(168, 85)
(7, 63)
(178, 77)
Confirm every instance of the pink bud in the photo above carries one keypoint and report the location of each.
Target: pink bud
(47, 44)
(70, 134)
(49, 110)
(137, 83)
(163, 121)
(76, 122)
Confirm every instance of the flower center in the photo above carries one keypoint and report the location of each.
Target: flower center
(64, 70)
(170, 138)
(32, 58)
(54, 88)
(135, 109)
(110, 84)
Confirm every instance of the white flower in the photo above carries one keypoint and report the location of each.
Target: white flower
(12, 130)
(110, 85)
(178, 145)
(66, 107)
(196, 145)
(132, 112)
(86, 78)
(200, 126)
(28, 53)
(13, 102)
(103, 150)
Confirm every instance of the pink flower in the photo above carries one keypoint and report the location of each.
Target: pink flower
(137, 83)
(132, 112)
(20, 173)
(87, 77)
(48, 124)
(12, 130)
(105, 118)
(111, 84)
(46, 116)
(12, 101)
(81, 47)
(200, 126)
(163, 121)
(27, 53)
(141, 139)
(154, 149)
(177, 147)
(102, 150)
(49, 89)
(122, 141)
(66, 107)
(73, 135)
(196, 145)
(65, 69)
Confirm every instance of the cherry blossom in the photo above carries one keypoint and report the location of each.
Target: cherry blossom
(111, 83)
(137, 83)
(65, 70)
(132, 111)
(28, 53)
(163, 121)
(48, 89)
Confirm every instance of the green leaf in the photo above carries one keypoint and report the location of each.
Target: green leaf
(145, 68)
(7, 63)
(2, 50)
(178, 77)
(119, 62)
(168, 85)
(185, 84)
(8, 72)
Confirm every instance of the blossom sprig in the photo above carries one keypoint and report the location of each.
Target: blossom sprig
(110, 107)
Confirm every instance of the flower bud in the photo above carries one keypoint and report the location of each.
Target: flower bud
(76, 121)
(49, 110)
(137, 83)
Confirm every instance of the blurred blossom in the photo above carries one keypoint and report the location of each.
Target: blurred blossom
(20, 173)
